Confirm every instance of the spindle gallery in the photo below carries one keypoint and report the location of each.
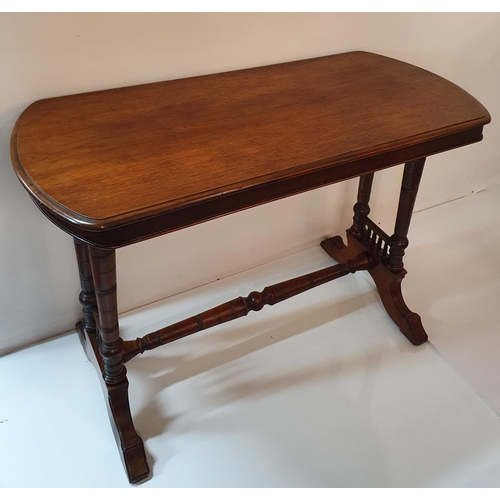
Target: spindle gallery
(115, 167)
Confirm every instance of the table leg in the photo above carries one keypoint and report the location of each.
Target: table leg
(87, 295)
(103, 263)
(409, 189)
(103, 345)
(362, 207)
(388, 252)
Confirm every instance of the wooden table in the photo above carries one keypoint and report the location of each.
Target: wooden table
(119, 166)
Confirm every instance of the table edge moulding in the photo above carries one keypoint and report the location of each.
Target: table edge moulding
(115, 167)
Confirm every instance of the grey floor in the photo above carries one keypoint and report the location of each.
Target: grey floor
(319, 391)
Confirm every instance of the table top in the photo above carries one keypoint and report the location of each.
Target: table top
(117, 166)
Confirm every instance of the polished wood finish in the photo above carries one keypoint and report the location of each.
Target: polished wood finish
(87, 295)
(130, 445)
(100, 337)
(103, 263)
(241, 306)
(117, 166)
(362, 207)
(388, 284)
(409, 188)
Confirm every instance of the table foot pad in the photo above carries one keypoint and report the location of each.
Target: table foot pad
(129, 443)
(388, 283)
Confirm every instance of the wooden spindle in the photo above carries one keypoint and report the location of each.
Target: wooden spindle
(87, 295)
(103, 262)
(362, 208)
(409, 189)
(241, 306)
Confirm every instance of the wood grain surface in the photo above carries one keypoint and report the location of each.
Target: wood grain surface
(113, 158)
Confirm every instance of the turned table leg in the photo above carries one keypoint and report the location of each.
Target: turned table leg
(389, 275)
(87, 295)
(103, 263)
(104, 346)
(409, 189)
(362, 208)
(388, 252)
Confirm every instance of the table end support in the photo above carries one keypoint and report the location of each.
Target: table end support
(103, 347)
(387, 251)
(130, 445)
(388, 284)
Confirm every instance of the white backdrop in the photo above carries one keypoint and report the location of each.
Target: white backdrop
(45, 55)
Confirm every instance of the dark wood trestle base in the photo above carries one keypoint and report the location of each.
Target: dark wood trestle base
(368, 249)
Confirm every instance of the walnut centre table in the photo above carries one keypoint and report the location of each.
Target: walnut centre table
(119, 166)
